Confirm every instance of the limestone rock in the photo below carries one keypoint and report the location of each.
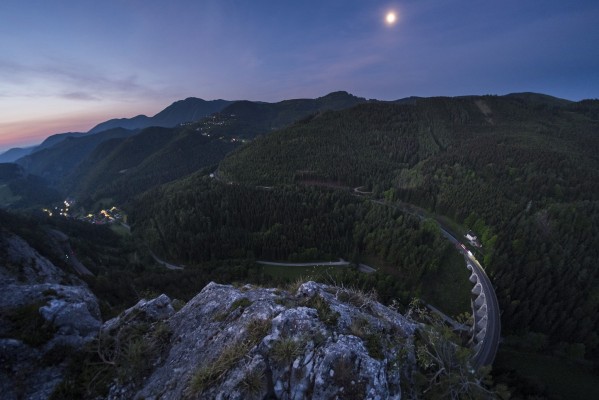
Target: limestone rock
(151, 311)
(45, 315)
(249, 342)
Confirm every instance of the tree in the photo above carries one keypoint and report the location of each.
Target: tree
(444, 368)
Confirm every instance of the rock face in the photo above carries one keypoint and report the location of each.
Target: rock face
(45, 315)
(320, 342)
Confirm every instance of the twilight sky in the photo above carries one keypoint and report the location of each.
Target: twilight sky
(67, 65)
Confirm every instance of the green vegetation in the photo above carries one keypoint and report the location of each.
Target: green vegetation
(520, 170)
(373, 341)
(122, 163)
(322, 307)
(26, 192)
(253, 382)
(529, 373)
(242, 303)
(257, 329)
(54, 161)
(7, 197)
(286, 350)
(121, 169)
(125, 356)
(27, 324)
(197, 220)
(280, 273)
(453, 295)
(444, 370)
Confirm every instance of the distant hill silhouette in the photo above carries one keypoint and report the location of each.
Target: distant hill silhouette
(15, 153)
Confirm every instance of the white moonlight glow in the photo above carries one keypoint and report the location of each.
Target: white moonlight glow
(391, 18)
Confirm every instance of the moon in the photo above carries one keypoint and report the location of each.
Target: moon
(391, 18)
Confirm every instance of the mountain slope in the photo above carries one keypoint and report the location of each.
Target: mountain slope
(121, 168)
(15, 153)
(21, 190)
(271, 116)
(55, 162)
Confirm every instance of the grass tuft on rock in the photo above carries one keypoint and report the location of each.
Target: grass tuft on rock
(213, 372)
(286, 350)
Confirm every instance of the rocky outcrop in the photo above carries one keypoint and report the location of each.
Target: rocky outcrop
(20, 263)
(45, 316)
(248, 342)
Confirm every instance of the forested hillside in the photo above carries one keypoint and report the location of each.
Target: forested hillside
(55, 162)
(199, 219)
(21, 190)
(125, 167)
(522, 170)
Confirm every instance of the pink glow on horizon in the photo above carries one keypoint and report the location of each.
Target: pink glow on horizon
(24, 132)
(31, 132)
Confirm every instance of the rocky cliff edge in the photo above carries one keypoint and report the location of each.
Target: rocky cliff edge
(46, 315)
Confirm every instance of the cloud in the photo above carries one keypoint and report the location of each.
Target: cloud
(76, 81)
(80, 96)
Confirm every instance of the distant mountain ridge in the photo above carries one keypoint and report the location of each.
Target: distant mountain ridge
(188, 110)
(15, 153)
(180, 150)
(129, 166)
